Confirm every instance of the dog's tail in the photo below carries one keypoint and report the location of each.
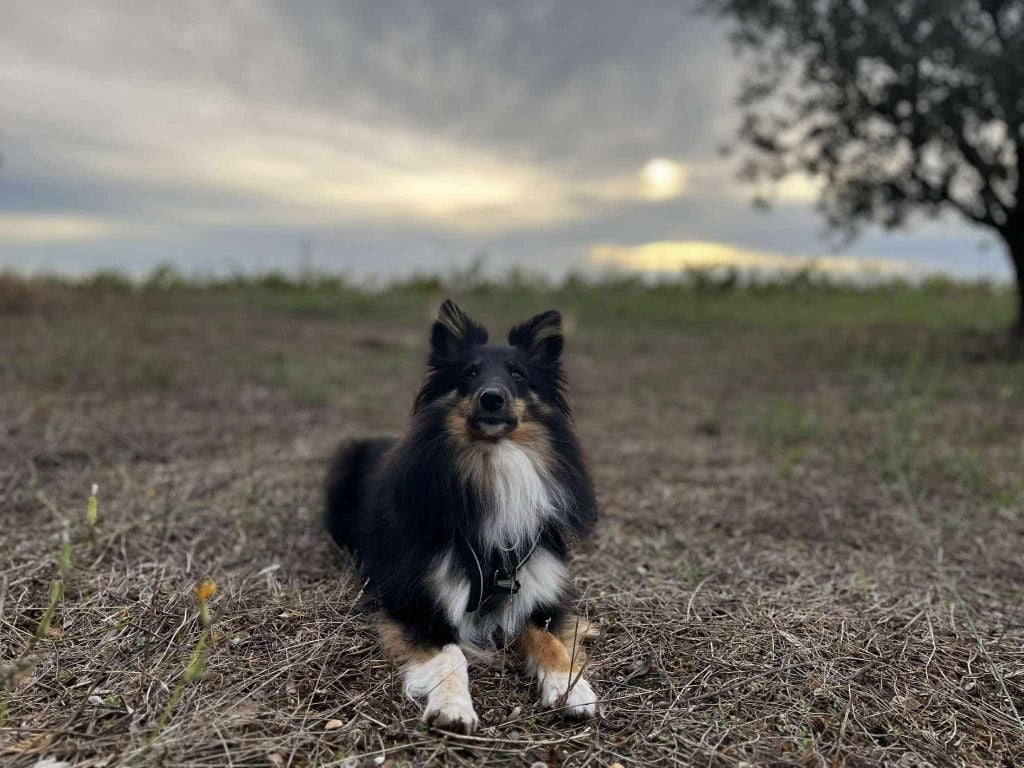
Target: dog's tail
(347, 486)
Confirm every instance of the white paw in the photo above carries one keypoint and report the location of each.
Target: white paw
(451, 713)
(443, 680)
(581, 702)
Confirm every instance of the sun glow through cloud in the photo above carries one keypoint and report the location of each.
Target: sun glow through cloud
(663, 178)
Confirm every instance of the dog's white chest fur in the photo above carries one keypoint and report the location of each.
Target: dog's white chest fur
(518, 497)
(542, 580)
(517, 493)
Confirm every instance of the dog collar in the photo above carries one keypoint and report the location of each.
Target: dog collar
(494, 578)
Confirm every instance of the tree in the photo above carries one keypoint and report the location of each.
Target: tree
(899, 107)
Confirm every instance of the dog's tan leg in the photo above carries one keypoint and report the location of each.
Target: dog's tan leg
(557, 663)
(438, 674)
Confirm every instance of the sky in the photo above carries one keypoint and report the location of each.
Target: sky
(383, 138)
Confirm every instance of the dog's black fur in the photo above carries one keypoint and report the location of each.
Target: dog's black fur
(400, 504)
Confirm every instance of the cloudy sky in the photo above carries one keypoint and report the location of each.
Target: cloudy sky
(380, 138)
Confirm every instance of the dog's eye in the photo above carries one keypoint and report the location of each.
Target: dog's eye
(517, 375)
(472, 373)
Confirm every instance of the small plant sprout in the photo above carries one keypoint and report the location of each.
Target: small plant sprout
(92, 509)
(206, 589)
(56, 595)
(195, 667)
(65, 562)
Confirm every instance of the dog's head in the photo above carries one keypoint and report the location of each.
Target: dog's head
(492, 391)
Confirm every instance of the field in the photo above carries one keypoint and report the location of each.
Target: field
(811, 549)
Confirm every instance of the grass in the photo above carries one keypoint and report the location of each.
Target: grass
(809, 552)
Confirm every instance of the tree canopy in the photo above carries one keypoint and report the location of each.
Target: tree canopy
(913, 106)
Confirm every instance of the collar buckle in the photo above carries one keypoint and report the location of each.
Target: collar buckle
(505, 582)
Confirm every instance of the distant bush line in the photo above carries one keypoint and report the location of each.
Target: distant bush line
(16, 288)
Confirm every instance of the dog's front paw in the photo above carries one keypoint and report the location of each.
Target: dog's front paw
(581, 702)
(451, 713)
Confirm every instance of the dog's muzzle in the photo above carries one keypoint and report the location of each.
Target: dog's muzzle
(492, 414)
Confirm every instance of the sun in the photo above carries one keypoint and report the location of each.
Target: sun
(663, 178)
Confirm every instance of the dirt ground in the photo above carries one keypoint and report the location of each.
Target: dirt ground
(810, 550)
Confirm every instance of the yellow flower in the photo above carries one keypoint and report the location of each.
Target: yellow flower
(207, 588)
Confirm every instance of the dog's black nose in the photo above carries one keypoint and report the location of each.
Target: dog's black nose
(492, 400)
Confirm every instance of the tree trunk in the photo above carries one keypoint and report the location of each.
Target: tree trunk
(1015, 243)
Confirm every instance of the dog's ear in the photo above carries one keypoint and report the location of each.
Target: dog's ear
(453, 330)
(540, 336)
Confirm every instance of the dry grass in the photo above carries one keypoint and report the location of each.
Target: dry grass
(810, 551)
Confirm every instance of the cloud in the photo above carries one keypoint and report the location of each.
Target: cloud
(409, 131)
(718, 177)
(312, 168)
(796, 188)
(48, 229)
(677, 256)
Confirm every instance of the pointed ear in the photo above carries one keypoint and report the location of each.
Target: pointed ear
(540, 336)
(453, 330)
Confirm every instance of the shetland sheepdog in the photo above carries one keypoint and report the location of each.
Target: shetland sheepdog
(462, 526)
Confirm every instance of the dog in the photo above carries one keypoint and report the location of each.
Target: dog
(462, 526)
